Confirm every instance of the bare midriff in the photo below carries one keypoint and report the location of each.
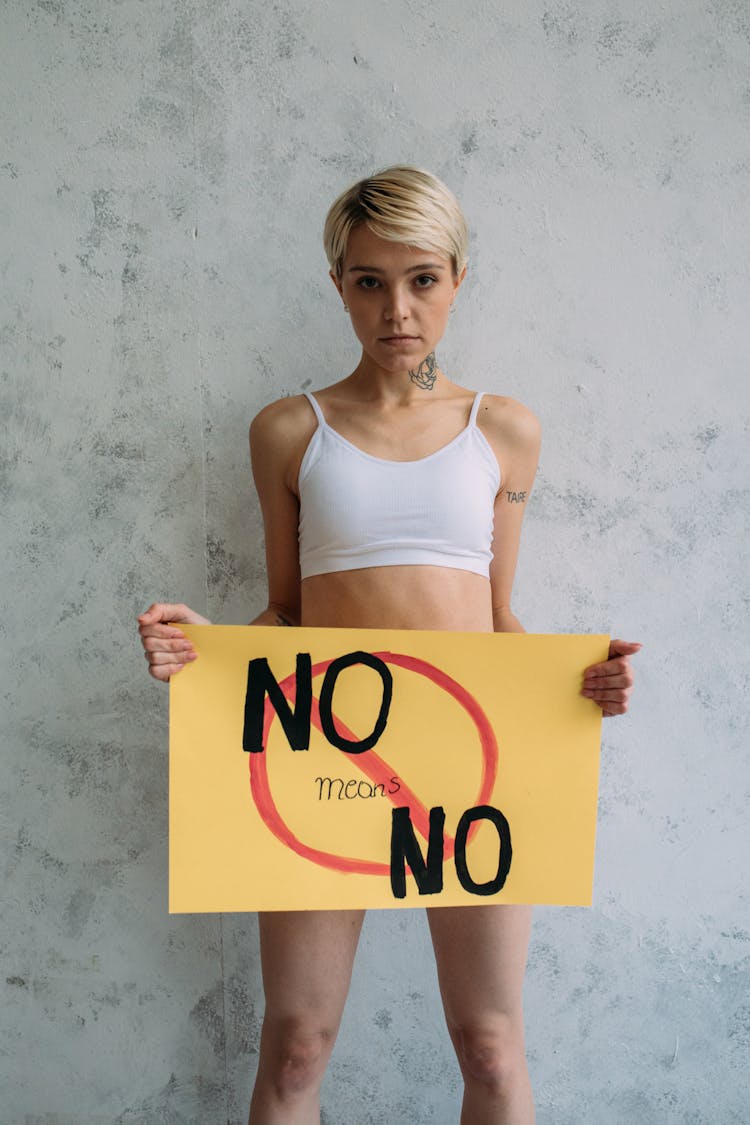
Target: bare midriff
(398, 597)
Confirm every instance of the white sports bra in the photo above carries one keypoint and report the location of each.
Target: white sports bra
(357, 510)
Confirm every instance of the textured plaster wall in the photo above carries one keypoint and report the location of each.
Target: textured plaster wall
(164, 172)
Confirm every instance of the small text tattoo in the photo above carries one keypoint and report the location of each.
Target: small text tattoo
(426, 373)
(516, 497)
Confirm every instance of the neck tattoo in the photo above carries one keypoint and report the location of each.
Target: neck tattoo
(426, 374)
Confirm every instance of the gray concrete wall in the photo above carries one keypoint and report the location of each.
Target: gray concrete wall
(164, 173)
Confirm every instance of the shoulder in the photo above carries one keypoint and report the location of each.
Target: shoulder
(282, 415)
(279, 436)
(507, 421)
(283, 424)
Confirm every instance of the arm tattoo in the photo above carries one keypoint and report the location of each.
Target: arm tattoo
(426, 373)
(516, 497)
(281, 620)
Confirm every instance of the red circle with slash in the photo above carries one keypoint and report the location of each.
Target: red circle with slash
(371, 764)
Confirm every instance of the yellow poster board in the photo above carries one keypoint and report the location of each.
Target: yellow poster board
(345, 768)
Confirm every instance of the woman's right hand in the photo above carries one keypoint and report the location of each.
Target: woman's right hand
(167, 649)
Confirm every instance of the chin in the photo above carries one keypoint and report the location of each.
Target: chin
(403, 362)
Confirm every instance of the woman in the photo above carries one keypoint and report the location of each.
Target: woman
(393, 499)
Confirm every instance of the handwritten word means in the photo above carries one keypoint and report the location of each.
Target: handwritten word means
(359, 788)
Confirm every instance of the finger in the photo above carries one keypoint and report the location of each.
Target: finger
(619, 666)
(613, 709)
(617, 658)
(162, 658)
(163, 631)
(164, 672)
(165, 634)
(151, 615)
(599, 683)
(621, 695)
(158, 644)
(162, 611)
(624, 648)
(604, 697)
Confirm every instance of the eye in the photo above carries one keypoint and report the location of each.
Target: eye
(425, 281)
(368, 282)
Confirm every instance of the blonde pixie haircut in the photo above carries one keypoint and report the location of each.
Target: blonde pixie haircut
(400, 204)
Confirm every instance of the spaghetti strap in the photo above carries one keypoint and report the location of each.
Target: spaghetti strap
(314, 404)
(475, 408)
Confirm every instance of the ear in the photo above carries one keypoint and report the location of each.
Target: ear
(337, 282)
(457, 282)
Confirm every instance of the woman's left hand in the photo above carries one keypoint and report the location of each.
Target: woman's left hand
(610, 684)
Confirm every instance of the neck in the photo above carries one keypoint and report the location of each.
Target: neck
(409, 383)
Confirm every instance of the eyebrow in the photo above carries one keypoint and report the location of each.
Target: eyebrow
(412, 269)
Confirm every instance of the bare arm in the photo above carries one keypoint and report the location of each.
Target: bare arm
(515, 435)
(278, 438)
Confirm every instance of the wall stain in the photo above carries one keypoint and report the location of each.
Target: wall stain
(208, 1016)
(243, 1020)
(561, 22)
(382, 1019)
(469, 144)
(179, 1102)
(78, 911)
(706, 436)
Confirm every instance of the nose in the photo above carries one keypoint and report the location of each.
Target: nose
(397, 304)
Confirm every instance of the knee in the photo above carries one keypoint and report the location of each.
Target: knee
(492, 1054)
(296, 1053)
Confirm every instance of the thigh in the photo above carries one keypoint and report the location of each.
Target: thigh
(307, 958)
(480, 953)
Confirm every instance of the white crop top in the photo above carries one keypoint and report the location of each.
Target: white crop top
(357, 510)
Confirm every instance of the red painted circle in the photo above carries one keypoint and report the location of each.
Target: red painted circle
(373, 765)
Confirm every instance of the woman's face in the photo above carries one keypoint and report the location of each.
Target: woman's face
(399, 298)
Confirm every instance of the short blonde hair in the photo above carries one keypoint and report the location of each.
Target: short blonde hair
(400, 204)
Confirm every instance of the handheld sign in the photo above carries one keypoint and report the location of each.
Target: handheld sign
(347, 768)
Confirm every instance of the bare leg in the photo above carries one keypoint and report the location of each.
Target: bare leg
(481, 960)
(307, 958)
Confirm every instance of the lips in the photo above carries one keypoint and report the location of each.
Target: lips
(397, 339)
